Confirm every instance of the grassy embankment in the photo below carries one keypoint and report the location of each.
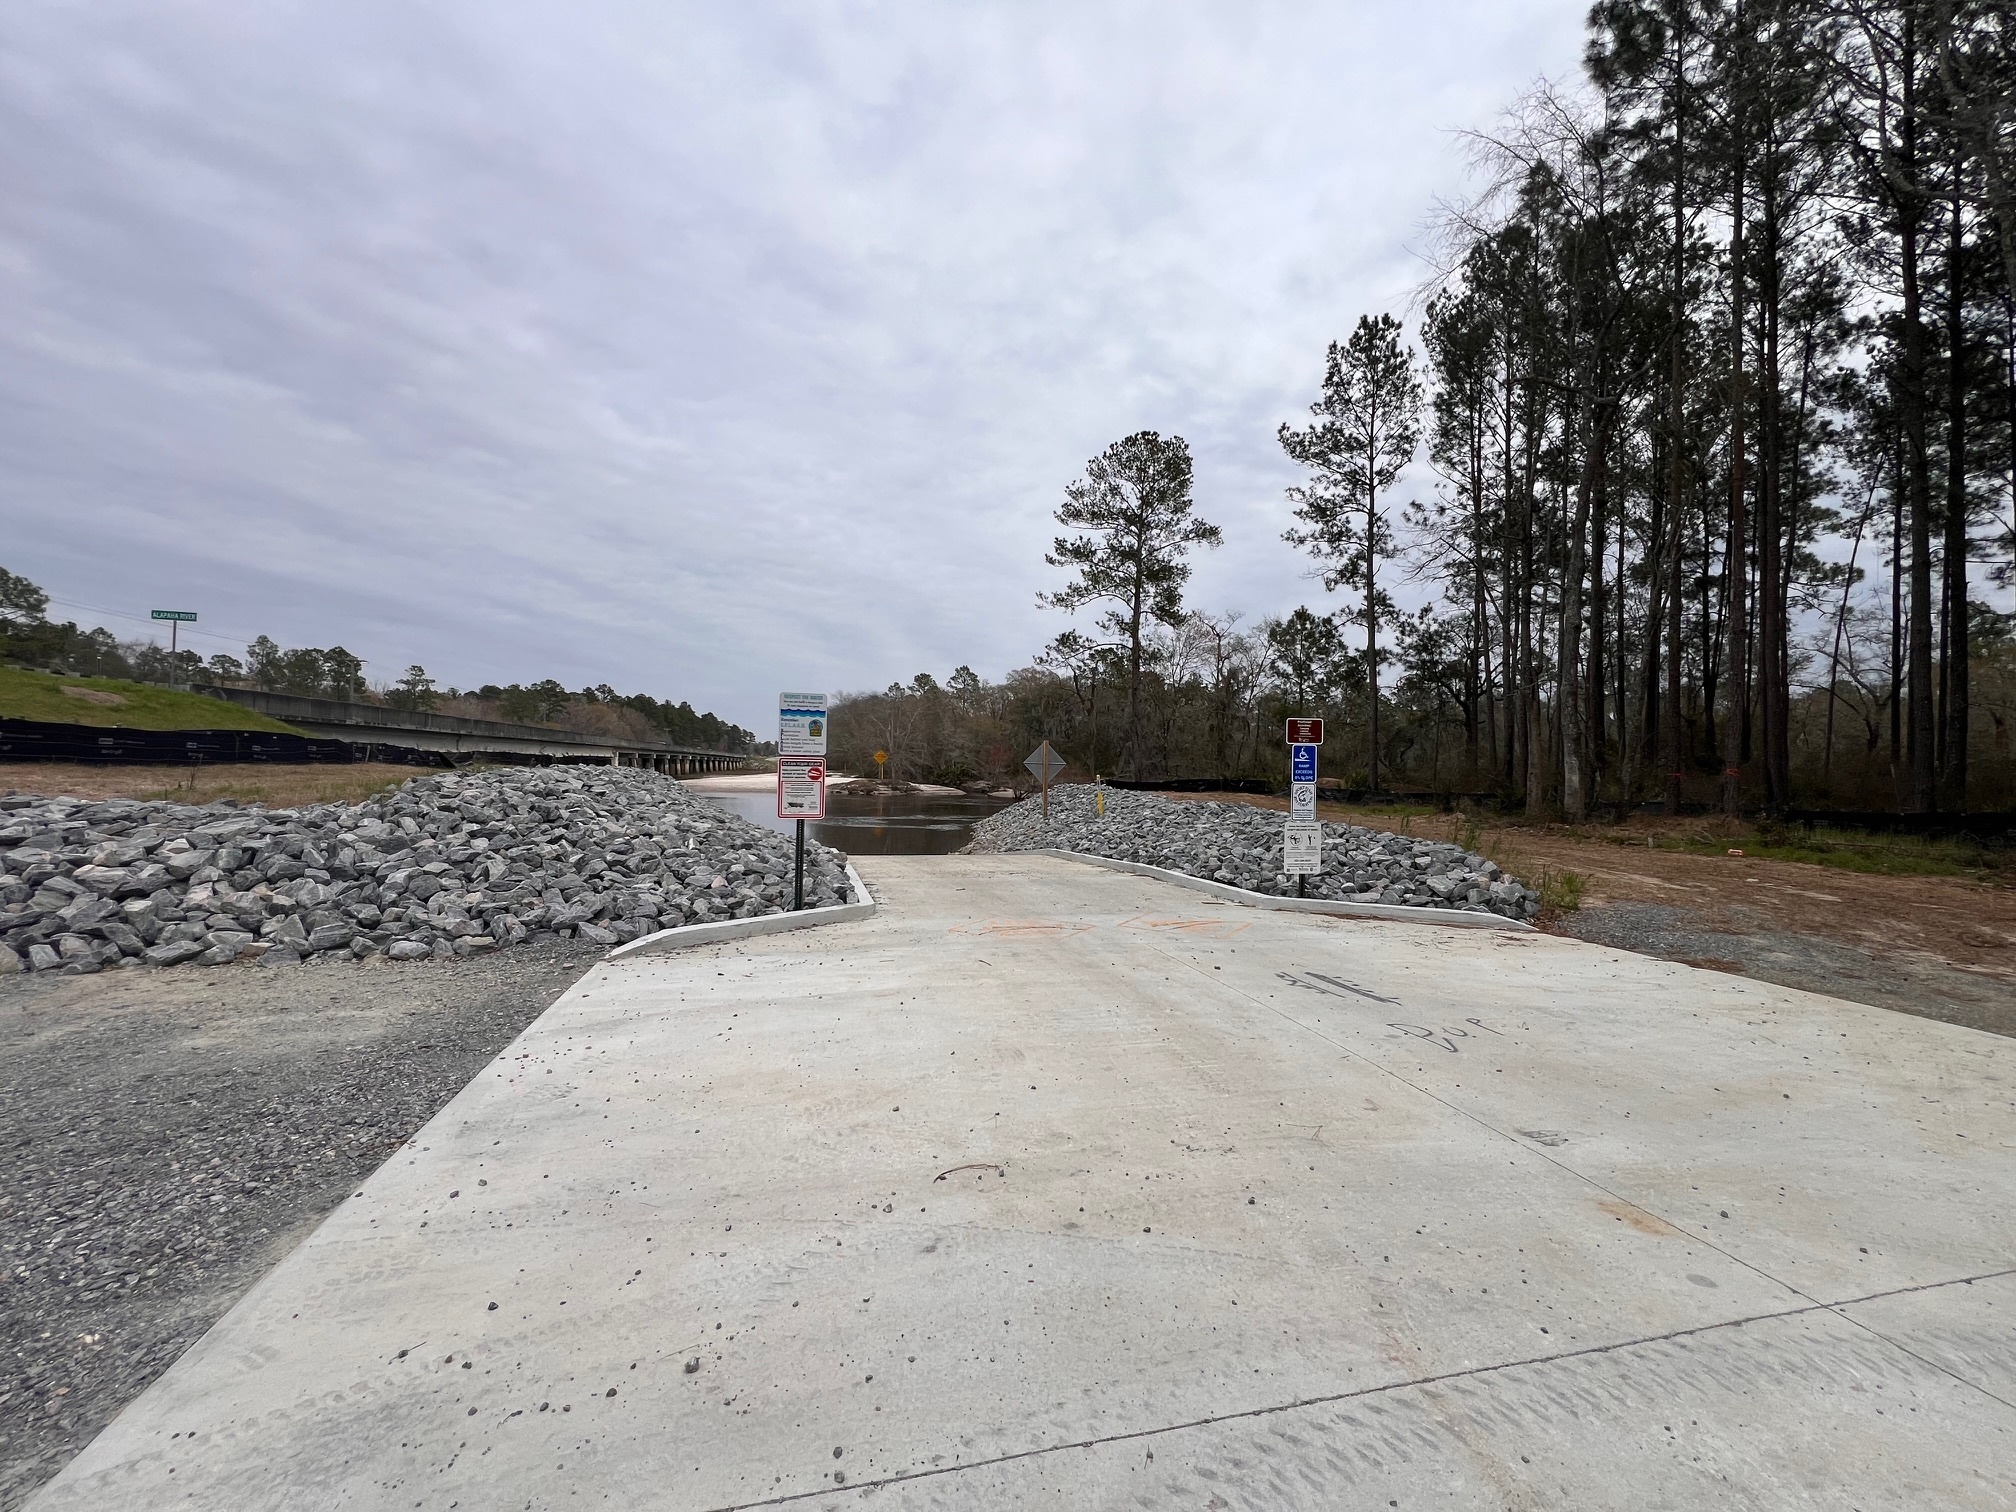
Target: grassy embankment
(107, 702)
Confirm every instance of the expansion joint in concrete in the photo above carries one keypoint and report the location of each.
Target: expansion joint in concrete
(1301, 1404)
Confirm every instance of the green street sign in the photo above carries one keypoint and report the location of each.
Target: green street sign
(174, 614)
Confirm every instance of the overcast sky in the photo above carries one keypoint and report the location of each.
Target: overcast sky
(698, 349)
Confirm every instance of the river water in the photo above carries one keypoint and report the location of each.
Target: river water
(902, 824)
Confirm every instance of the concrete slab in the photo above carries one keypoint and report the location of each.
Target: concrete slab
(1055, 1183)
(1967, 1330)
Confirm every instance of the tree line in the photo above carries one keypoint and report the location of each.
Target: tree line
(1717, 382)
(28, 637)
(1743, 298)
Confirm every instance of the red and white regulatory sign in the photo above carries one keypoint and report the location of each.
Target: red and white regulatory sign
(801, 787)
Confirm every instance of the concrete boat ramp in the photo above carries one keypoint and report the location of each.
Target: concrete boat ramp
(1050, 1186)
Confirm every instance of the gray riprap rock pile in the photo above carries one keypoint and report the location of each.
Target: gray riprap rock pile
(1240, 845)
(440, 867)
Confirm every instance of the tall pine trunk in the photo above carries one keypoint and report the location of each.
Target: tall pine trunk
(1598, 725)
(1134, 686)
(1953, 666)
(1570, 714)
(1372, 620)
(1478, 688)
(1735, 607)
(1774, 702)
(1897, 491)
(1508, 571)
(1676, 479)
(1531, 627)
(1924, 795)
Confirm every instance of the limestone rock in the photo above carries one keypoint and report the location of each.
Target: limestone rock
(442, 867)
(1240, 845)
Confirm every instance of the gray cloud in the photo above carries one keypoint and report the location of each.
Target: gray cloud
(701, 349)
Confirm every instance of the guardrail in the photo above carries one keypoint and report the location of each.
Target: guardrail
(377, 725)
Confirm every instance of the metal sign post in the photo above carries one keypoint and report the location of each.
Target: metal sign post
(801, 771)
(1302, 838)
(176, 619)
(1045, 763)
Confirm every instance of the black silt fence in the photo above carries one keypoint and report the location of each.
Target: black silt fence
(1196, 785)
(33, 740)
(1994, 827)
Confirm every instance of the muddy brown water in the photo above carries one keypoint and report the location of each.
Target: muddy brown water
(902, 824)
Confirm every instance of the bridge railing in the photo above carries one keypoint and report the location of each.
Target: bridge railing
(453, 734)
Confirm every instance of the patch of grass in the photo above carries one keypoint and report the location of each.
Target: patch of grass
(1561, 890)
(1393, 818)
(287, 787)
(1855, 851)
(108, 702)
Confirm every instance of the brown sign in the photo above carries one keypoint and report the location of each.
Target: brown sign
(1305, 732)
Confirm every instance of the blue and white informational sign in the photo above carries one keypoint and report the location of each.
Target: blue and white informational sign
(801, 724)
(801, 756)
(1302, 840)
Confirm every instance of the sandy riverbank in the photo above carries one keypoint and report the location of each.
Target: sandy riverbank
(746, 782)
(764, 782)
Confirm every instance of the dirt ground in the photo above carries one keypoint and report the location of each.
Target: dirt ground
(169, 1135)
(1939, 947)
(275, 786)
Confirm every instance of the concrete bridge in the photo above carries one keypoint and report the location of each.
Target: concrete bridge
(375, 725)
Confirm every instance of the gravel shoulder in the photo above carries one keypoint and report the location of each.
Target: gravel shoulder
(170, 1135)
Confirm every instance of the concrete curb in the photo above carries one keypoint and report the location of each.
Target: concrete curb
(688, 935)
(1448, 917)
